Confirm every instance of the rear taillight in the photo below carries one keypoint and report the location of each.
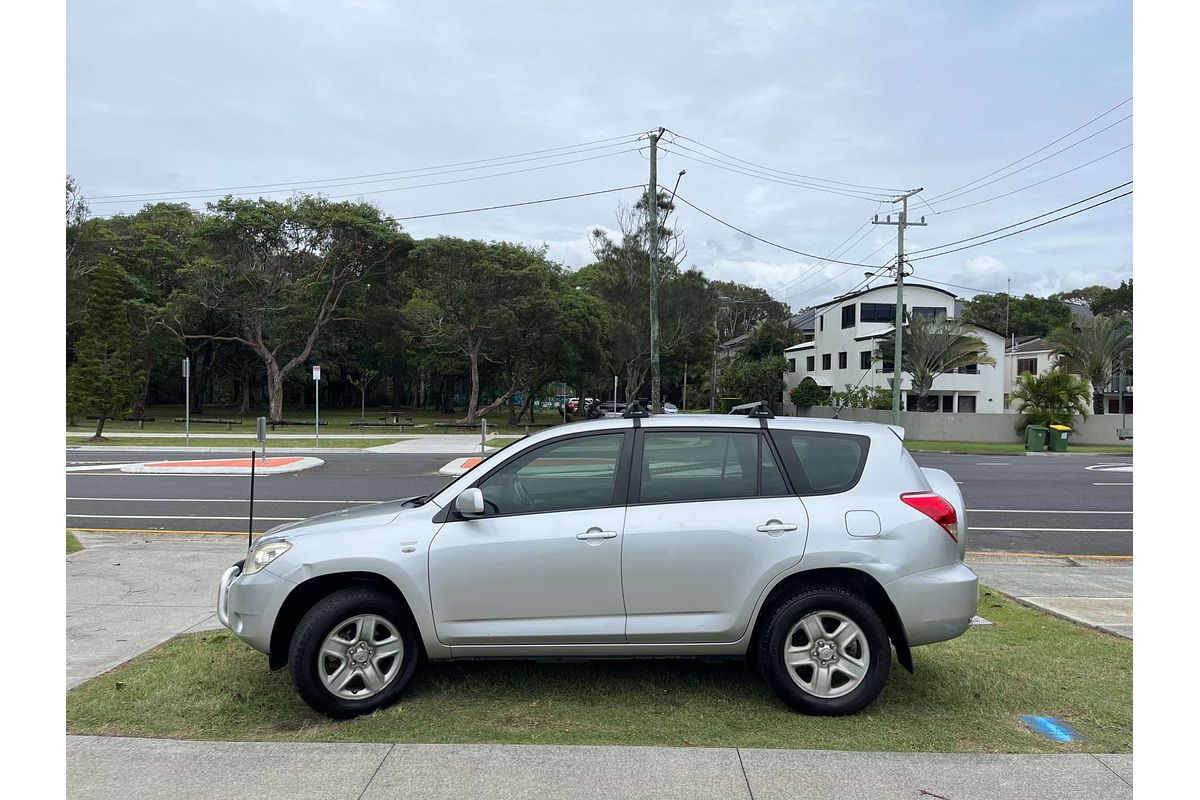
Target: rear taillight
(937, 508)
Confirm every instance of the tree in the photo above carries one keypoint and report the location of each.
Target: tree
(933, 348)
(1094, 348)
(105, 375)
(746, 306)
(281, 272)
(362, 382)
(754, 379)
(1027, 316)
(1101, 299)
(807, 394)
(769, 337)
(872, 397)
(1054, 398)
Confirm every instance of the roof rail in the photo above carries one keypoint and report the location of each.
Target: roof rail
(759, 409)
(635, 410)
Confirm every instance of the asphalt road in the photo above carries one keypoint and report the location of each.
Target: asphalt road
(1015, 503)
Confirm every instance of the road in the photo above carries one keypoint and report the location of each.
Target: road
(1016, 503)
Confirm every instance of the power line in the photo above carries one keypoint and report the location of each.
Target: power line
(832, 253)
(415, 216)
(1025, 230)
(292, 184)
(1040, 149)
(952, 195)
(763, 176)
(766, 241)
(1038, 183)
(789, 181)
(461, 180)
(1022, 222)
(885, 189)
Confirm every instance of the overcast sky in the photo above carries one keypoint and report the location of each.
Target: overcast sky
(170, 97)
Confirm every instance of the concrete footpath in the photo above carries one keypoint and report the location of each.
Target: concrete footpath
(127, 594)
(1090, 591)
(103, 768)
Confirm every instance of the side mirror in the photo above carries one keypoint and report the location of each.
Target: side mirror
(469, 503)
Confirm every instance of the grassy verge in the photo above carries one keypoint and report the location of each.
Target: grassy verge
(1008, 447)
(277, 445)
(504, 441)
(73, 544)
(966, 696)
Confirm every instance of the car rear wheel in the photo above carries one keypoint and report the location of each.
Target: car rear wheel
(354, 652)
(825, 652)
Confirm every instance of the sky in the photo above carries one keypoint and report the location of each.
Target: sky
(174, 98)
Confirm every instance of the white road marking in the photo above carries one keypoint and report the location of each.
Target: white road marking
(1029, 511)
(242, 519)
(212, 500)
(1112, 484)
(1056, 530)
(93, 467)
(993, 463)
(1110, 468)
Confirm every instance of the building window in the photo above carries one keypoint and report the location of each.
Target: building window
(809, 363)
(877, 312)
(928, 312)
(888, 366)
(848, 316)
(821, 322)
(825, 360)
(864, 359)
(1025, 365)
(841, 360)
(948, 403)
(966, 404)
(914, 403)
(970, 369)
(791, 365)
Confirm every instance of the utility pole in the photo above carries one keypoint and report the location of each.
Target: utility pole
(655, 376)
(684, 409)
(897, 358)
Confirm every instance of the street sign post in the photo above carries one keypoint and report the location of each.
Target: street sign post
(187, 401)
(317, 385)
(262, 433)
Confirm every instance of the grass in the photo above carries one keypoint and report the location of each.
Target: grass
(277, 445)
(73, 544)
(341, 420)
(1008, 447)
(504, 441)
(966, 696)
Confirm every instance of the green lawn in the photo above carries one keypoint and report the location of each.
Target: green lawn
(275, 445)
(73, 544)
(341, 420)
(1008, 447)
(966, 696)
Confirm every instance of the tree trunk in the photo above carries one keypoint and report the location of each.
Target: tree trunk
(99, 429)
(274, 392)
(1097, 400)
(139, 401)
(397, 389)
(244, 406)
(492, 406)
(473, 398)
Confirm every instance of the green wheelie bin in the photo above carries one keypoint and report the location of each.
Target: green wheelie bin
(1035, 437)
(1058, 438)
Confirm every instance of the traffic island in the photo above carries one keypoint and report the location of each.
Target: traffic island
(967, 695)
(265, 465)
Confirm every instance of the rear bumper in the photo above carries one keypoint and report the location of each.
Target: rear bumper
(937, 604)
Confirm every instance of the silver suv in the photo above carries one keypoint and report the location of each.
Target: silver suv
(810, 547)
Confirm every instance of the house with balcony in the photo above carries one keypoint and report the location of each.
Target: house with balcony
(847, 331)
(1032, 355)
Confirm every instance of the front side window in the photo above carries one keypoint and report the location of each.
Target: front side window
(686, 465)
(576, 473)
(822, 463)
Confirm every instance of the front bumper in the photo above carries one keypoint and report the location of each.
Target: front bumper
(249, 604)
(937, 604)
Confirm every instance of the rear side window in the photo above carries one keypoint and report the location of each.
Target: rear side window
(822, 463)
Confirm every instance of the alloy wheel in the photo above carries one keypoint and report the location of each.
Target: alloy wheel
(826, 654)
(360, 657)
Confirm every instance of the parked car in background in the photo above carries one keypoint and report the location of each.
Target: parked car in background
(670, 408)
(810, 547)
(612, 407)
(576, 406)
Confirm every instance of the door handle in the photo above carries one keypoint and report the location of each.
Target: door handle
(775, 526)
(596, 533)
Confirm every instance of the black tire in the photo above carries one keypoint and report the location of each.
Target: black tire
(788, 614)
(319, 622)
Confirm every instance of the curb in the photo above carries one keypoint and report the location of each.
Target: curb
(239, 466)
(459, 465)
(1060, 615)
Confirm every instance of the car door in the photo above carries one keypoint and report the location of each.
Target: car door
(711, 519)
(542, 564)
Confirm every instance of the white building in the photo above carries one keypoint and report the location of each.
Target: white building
(848, 329)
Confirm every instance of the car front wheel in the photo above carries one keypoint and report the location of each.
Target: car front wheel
(354, 652)
(826, 652)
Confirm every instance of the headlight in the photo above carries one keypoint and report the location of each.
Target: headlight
(264, 554)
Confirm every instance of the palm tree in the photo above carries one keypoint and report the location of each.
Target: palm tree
(1055, 398)
(1093, 349)
(935, 347)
